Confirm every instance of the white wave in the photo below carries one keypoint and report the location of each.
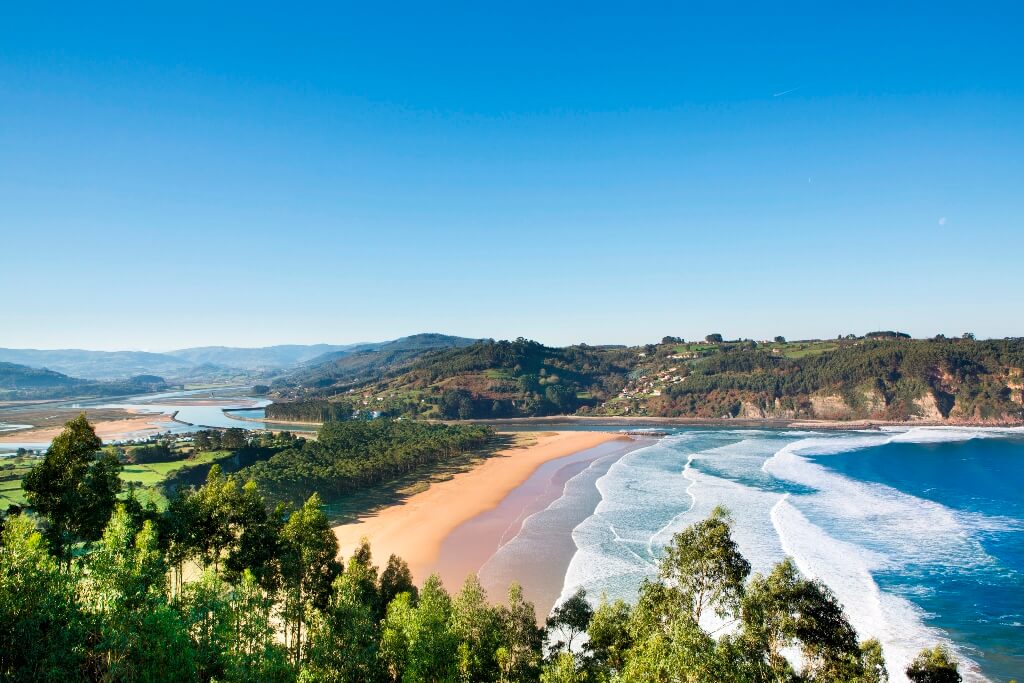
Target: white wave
(641, 490)
(899, 525)
(648, 496)
(846, 569)
(652, 493)
(893, 530)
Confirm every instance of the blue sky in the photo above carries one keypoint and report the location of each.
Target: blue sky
(253, 174)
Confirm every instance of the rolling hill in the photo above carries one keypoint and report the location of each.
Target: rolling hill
(20, 382)
(882, 376)
(334, 371)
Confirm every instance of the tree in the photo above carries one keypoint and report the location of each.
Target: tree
(785, 610)
(397, 632)
(41, 625)
(432, 646)
(201, 441)
(704, 567)
(206, 610)
(255, 654)
(254, 537)
(873, 662)
(475, 626)
(780, 339)
(562, 669)
(519, 654)
(394, 580)
(75, 487)
(308, 568)
(234, 438)
(139, 636)
(610, 639)
(344, 638)
(714, 338)
(935, 665)
(570, 619)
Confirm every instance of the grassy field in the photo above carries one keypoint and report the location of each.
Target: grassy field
(13, 470)
(145, 477)
(804, 349)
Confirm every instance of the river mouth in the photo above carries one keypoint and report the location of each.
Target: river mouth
(138, 417)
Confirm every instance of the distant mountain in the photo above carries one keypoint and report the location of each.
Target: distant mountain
(260, 358)
(99, 365)
(23, 382)
(216, 363)
(362, 362)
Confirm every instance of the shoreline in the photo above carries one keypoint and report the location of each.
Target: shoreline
(758, 423)
(107, 430)
(534, 521)
(417, 528)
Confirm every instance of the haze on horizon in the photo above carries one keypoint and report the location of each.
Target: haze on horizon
(241, 176)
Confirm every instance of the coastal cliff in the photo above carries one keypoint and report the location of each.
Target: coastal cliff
(875, 378)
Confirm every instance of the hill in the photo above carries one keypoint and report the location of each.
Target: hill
(98, 365)
(19, 382)
(336, 371)
(883, 376)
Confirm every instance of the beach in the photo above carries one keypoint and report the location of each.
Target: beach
(420, 529)
(108, 430)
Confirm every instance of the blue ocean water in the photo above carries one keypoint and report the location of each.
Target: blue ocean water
(918, 531)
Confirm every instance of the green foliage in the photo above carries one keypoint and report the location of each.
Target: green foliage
(308, 568)
(570, 619)
(351, 456)
(562, 668)
(270, 602)
(935, 665)
(74, 487)
(41, 625)
(610, 638)
(704, 568)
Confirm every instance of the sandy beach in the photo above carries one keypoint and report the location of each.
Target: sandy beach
(108, 430)
(417, 528)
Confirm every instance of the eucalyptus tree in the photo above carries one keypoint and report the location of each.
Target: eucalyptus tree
(309, 566)
(934, 665)
(42, 628)
(519, 654)
(704, 569)
(569, 620)
(75, 487)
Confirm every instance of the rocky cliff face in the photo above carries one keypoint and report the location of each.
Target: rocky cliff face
(752, 411)
(831, 407)
(927, 408)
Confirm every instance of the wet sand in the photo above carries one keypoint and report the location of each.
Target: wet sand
(417, 528)
(526, 539)
(108, 430)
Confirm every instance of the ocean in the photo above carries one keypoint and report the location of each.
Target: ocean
(918, 531)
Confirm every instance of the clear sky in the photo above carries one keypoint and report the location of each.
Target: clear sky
(250, 174)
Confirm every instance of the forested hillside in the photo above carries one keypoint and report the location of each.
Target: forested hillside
(355, 455)
(334, 371)
(881, 376)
